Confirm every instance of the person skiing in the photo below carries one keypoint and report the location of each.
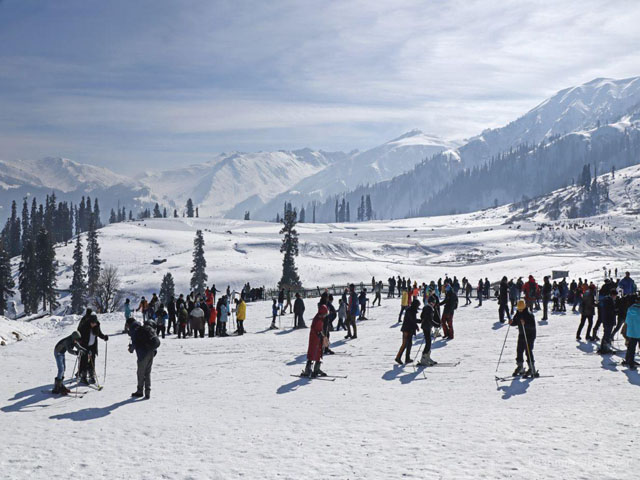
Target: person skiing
(409, 328)
(316, 344)
(526, 323)
(89, 328)
(450, 305)
(503, 300)
(69, 344)
(632, 324)
(428, 321)
(298, 311)
(241, 315)
(587, 307)
(145, 343)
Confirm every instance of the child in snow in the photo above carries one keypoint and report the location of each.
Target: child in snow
(69, 344)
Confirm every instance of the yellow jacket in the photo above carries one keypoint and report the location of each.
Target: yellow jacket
(241, 312)
(405, 299)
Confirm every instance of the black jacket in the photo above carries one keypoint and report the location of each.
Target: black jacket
(450, 302)
(85, 333)
(298, 306)
(529, 322)
(410, 323)
(503, 297)
(608, 311)
(428, 318)
(68, 345)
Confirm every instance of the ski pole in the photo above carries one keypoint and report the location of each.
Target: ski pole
(501, 351)
(106, 349)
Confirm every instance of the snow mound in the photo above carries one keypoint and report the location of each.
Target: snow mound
(12, 331)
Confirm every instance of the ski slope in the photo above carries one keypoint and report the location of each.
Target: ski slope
(229, 407)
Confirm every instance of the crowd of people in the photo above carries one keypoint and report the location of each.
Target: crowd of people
(615, 304)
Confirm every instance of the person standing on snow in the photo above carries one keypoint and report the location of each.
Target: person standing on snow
(429, 321)
(281, 301)
(632, 323)
(127, 313)
(145, 343)
(480, 292)
(241, 315)
(288, 304)
(503, 300)
(298, 311)
(362, 301)
(587, 308)
(342, 315)
(316, 344)
(530, 292)
(69, 344)
(378, 292)
(608, 314)
(89, 328)
(526, 323)
(546, 297)
(352, 313)
(197, 321)
(409, 329)
(450, 305)
(142, 307)
(404, 303)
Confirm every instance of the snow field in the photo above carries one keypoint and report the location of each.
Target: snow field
(228, 408)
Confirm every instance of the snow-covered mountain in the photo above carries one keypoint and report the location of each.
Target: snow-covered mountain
(376, 165)
(248, 179)
(602, 100)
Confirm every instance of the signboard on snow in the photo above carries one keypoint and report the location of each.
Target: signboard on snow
(559, 274)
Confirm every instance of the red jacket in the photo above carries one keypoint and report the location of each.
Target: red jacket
(213, 315)
(531, 290)
(209, 297)
(314, 352)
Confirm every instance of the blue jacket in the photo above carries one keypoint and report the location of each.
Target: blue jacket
(127, 311)
(627, 285)
(633, 321)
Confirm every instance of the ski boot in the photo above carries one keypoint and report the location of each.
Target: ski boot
(92, 378)
(307, 370)
(56, 386)
(83, 379)
(63, 389)
(137, 394)
(519, 370)
(317, 372)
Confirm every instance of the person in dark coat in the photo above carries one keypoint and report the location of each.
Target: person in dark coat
(171, 310)
(503, 300)
(145, 354)
(526, 323)
(409, 329)
(328, 324)
(429, 320)
(588, 308)
(546, 298)
(69, 344)
(89, 328)
(316, 344)
(362, 301)
(450, 305)
(608, 315)
(298, 312)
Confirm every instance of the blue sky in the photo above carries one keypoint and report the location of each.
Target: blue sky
(143, 84)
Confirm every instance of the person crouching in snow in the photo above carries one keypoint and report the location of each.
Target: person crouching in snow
(526, 323)
(409, 328)
(69, 344)
(429, 321)
(316, 344)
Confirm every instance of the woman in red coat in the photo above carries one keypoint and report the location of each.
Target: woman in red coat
(316, 344)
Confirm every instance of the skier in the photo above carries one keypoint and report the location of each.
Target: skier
(409, 328)
(429, 320)
(241, 315)
(352, 313)
(450, 305)
(531, 291)
(404, 303)
(513, 295)
(89, 328)
(298, 311)
(145, 343)
(69, 344)
(632, 323)
(468, 290)
(503, 300)
(224, 317)
(587, 307)
(526, 323)
(316, 344)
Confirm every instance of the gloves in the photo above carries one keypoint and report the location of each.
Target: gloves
(130, 348)
(106, 338)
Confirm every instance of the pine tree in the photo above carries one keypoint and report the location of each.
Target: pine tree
(6, 280)
(27, 275)
(96, 214)
(175, 213)
(197, 212)
(112, 217)
(337, 211)
(25, 219)
(13, 237)
(164, 212)
(130, 216)
(189, 208)
(156, 211)
(314, 212)
(167, 289)
(348, 213)
(302, 215)
(46, 270)
(290, 278)
(199, 274)
(93, 259)
(78, 283)
(247, 215)
(368, 211)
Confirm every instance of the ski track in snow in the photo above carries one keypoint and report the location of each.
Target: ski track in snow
(228, 408)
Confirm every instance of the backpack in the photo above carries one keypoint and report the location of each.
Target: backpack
(455, 301)
(148, 337)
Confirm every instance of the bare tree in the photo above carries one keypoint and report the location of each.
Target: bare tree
(108, 296)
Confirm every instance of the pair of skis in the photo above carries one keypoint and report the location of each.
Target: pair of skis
(513, 377)
(327, 378)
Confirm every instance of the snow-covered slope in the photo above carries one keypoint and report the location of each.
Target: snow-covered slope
(378, 164)
(249, 179)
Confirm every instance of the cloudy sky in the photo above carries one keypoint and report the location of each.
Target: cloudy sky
(152, 83)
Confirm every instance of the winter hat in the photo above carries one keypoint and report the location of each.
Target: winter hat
(521, 305)
(75, 335)
(130, 320)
